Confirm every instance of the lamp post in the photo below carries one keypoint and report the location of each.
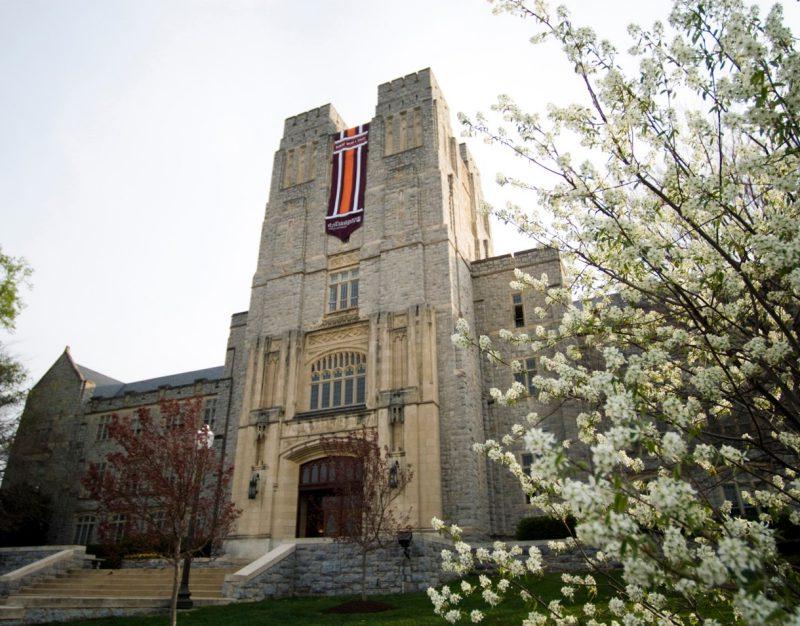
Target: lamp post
(205, 440)
(404, 539)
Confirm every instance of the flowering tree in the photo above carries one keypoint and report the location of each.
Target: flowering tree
(679, 221)
(14, 274)
(362, 509)
(164, 484)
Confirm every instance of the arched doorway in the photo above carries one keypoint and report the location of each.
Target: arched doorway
(323, 485)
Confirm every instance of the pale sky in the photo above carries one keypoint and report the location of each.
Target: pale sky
(137, 139)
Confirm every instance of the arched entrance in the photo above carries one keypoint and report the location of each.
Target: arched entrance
(322, 486)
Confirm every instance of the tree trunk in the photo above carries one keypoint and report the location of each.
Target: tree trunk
(176, 568)
(364, 576)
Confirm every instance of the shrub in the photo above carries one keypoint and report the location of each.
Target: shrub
(543, 527)
(24, 516)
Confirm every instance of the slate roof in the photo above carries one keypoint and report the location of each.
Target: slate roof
(117, 389)
(96, 377)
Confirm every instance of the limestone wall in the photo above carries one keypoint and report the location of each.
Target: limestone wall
(327, 568)
(494, 310)
(421, 229)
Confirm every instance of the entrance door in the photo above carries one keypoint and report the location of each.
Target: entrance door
(318, 510)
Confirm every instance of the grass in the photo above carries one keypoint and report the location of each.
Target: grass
(412, 609)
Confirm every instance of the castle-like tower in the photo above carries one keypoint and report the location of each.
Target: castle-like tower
(374, 313)
(373, 245)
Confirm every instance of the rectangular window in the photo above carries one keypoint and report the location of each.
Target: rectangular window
(158, 519)
(118, 526)
(525, 377)
(732, 492)
(210, 412)
(361, 388)
(102, 428)
(519, 312)
(326, 395)
(526, 461)
(343, 290)
(84, 530)
(348, 391)
(337, 393)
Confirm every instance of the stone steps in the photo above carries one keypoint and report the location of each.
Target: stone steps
(11, 612)
(135, 592)
(102, 602)
(94, 593)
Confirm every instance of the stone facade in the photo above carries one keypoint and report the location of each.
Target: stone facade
(62, 432)
(423, 259)
(327, 568)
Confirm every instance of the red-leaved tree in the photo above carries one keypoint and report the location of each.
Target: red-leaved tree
(165, 483)
(368, 483)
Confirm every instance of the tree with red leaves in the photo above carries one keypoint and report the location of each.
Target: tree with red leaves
(363, 508)
(165, 483)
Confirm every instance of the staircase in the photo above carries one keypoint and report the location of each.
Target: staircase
(96, 593)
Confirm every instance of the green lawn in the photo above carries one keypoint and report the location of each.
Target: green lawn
(413, 609)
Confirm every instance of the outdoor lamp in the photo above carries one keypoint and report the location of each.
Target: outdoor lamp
(252, 487)
(404, 539)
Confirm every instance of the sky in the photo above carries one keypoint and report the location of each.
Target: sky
(137, 139)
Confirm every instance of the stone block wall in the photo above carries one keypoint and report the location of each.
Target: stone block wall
(14, 558)
(494, 310)
(34, 563)
(327, 568)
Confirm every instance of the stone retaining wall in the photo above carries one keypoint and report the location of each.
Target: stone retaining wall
(327, 568)
(55, 560)
(14, 558)
(330, 569)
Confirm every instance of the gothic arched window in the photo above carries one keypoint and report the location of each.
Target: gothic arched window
(338, 380)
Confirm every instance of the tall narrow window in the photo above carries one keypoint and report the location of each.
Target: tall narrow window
(102, 427)
(519, 312)
(732, 492)
(343, 290)
(84, 529)
(210, 412)
(396, 421)
(526, 461)
(338, 380)
(525, 377)
(118, 526)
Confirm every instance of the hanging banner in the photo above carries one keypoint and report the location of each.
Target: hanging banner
(348, 182)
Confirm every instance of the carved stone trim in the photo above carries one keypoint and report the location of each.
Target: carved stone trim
(266, 416)
(343, 260)
(351, 336)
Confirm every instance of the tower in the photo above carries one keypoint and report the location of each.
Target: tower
(352, 332)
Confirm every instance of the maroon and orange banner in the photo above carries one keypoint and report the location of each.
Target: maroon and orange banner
(348, 182)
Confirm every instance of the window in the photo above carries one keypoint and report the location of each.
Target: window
(84, 529)
(343, 290)
(526, 461)
(519, 312)
(396, 421)
(102, 428)
(210, 412)
(338, 380)
(732, 492)
(117, 527)
(158, 519)
(525, 377)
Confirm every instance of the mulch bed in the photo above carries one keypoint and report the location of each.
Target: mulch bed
(360, 606)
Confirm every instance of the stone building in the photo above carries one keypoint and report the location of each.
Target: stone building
(343, 332)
